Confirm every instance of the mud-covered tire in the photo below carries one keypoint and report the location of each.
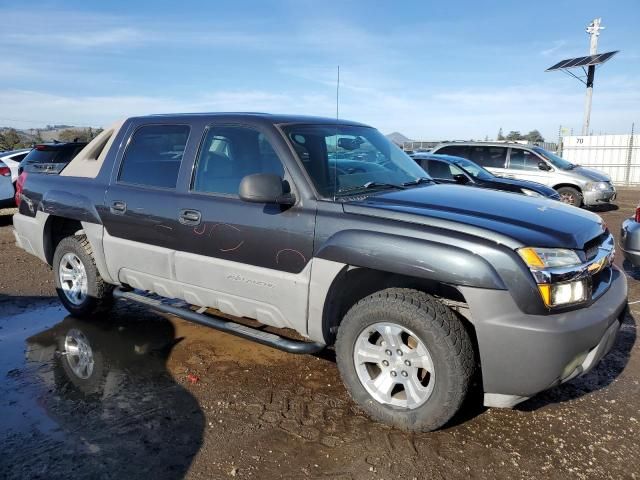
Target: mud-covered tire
(570, 196)
(437, 327)
(99, 297)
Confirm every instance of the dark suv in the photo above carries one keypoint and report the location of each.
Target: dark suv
(242, 221)
(50, 157)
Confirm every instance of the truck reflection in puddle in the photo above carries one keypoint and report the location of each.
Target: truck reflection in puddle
(94, 399)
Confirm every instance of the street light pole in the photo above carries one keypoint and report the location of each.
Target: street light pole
(593, 31)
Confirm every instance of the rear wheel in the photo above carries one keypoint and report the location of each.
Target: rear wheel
(405, 358)
(570, 196)
(79, 285)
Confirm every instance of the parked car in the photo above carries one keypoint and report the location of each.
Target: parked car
(630, 238)
(12, 159)
(50, 157)
(448, 169)
(243, 216)
(576, 185)
(7, 190)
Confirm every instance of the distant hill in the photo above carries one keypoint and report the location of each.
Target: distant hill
(398, 138)
(47, 134)
(12, 138)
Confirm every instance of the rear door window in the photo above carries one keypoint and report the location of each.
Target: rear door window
(228, 154)
(489, 157)
(440, 170)
(154, 155)
(455, 150)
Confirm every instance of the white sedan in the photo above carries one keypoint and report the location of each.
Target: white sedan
(12, 159)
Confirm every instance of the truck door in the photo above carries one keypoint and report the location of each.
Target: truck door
(245, 259)
(141, 213)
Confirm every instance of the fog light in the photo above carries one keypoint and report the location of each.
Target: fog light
(563, 293)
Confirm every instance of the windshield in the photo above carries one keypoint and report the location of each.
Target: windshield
(343, 159)
(555, 160)
(473, 169)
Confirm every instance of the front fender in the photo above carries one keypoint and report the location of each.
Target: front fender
(412, 257)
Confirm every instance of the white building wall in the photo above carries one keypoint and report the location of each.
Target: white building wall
(609, 153)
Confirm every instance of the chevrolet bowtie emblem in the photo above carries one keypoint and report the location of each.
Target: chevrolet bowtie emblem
(597, 266)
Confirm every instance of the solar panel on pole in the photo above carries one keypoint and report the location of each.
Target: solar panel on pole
(582, 61)
(590, 62)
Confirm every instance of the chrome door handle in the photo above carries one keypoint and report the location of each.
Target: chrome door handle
(190, 217)
(118, 207)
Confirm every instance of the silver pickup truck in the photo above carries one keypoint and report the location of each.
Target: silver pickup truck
(326, 228)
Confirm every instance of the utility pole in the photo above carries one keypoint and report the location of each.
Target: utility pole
(594, 32)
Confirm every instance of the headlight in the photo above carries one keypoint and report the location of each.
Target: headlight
(559, 294)
(531, 193)
(539, 258)
(593, 186)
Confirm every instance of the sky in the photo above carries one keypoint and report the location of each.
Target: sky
(431, 70)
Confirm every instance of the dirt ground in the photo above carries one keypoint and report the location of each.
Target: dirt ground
(169, 399)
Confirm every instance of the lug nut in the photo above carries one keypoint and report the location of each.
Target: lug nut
(388, 352)
(393, 373)
(404, 373)
(385, 363)
(399, 352)
(407, 363)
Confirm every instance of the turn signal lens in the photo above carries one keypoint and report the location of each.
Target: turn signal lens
(549, 257)
(531, 258)
(545, 293)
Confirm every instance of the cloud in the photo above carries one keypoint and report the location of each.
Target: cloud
(447, 114)
(557, 45)
(31, 109)
(78, 38)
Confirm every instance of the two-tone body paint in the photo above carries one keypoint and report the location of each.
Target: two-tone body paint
(277, 263)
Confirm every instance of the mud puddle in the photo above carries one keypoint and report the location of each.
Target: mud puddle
(142, 394)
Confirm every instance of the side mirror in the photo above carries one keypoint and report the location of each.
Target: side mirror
(461, 179)
(544, 166)
(264, 188)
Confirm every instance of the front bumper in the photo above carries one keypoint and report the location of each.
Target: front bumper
(630, 241)
(521, 355)
(598, 197)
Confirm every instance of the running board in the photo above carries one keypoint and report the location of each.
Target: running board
(219, 323)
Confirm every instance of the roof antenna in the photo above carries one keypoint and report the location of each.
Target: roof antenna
(335, 165)
(338, 95)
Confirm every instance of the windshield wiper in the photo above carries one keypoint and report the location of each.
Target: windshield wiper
(369, 185)
(418, 181)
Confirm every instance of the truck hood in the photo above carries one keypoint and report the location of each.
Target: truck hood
(514, 219)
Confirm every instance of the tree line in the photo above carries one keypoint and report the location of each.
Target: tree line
(534, 136)
(10, 139)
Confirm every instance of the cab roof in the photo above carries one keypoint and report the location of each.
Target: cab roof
(271, 118)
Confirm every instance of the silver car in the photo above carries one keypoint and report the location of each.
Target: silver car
(7, 191)
(576, 185)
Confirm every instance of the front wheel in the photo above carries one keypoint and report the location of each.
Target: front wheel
(80, 287)
(570, 196)
(405, 358)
